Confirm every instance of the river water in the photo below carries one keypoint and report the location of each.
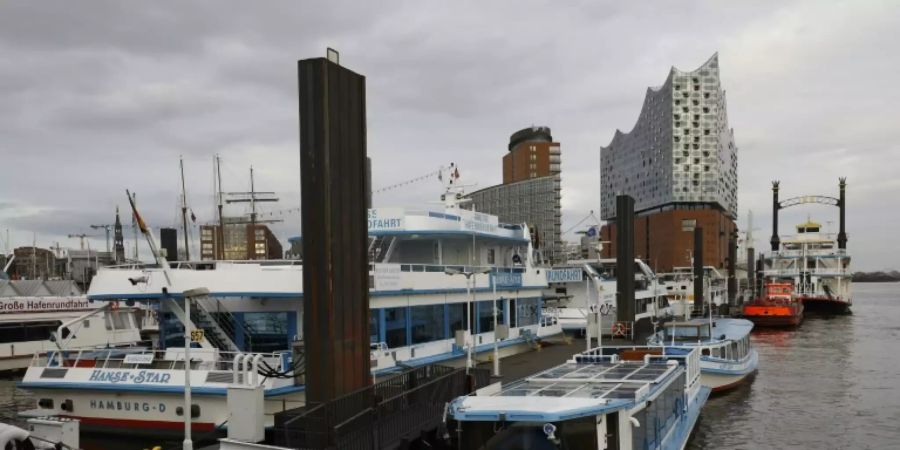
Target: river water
(834, 383)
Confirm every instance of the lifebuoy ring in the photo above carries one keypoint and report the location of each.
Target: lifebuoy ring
(114, 305)
(618, 329)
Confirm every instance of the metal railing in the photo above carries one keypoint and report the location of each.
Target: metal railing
(116, 359)
(380, 416)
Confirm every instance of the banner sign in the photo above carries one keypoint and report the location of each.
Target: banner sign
(570, 275)
(42, 304)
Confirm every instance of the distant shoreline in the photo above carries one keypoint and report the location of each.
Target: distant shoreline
(876, 277)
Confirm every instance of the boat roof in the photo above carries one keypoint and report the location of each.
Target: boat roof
(731, 329)
(578, 388)
(460, 222)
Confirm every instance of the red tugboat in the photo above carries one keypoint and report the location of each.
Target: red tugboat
(777, 308)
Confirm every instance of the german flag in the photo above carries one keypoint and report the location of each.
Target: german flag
(137, 216)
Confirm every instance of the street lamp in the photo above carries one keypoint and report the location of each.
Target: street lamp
(188, 295)
(470, 293)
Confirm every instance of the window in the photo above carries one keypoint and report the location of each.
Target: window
(456, 316)
(527, 312)
(490, 256)
(427, 323)
(269, 331)
(374, 326)
(395, 327)
(688, 224)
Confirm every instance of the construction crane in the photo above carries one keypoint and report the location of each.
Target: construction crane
(106, 227)
(81, 236)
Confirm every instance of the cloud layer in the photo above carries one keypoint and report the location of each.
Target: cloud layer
(101, 96)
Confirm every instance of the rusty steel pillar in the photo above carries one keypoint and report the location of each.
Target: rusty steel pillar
(842, 205)
(775, 241)
(625, 307)
(698, 267)
(333, 171)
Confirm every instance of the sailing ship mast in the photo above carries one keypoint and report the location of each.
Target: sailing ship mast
(184, 220)
(220, 248)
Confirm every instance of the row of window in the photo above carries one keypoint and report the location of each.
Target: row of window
(409, 325)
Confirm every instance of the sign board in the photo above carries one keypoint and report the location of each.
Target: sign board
(385, 219)
(144, 358)
(197, 335)
(506, 279)
(387, 277)
(42, 304)
(569, 275)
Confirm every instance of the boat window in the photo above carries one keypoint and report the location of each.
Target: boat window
(486, 315)
(456, 317)
(374, 326)
(527, 311)
(705, 352)
(395, 327)
(577, 434)
(427, 323)
(268, 331)
(687, 332)
(27, 331)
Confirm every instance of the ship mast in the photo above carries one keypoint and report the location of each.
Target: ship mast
(220, 249)
(184, 220)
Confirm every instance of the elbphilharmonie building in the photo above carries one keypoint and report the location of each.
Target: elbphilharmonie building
(679, 163)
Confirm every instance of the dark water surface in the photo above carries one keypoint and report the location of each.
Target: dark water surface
(834, 383)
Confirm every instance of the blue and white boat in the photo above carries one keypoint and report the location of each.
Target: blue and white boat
(622, 398)
(422, 312)
(727, 357)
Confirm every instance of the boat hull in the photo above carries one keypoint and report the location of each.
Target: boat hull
(772, 316)
(724, 376)
(150, 413)
(824, 304)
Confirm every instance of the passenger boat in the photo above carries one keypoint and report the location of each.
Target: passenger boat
(679, 290)
(34, 312)
(727, 357)
(820, 270)
(621, 398)
(422, 312)
(776, 308)
(577, 287)
(137, 391)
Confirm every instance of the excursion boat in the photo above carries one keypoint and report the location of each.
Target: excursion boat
(819, 269)
(422, 312)
(727, 357)
(777, 308)
(620, 398)
(679, 290)
(580, 286)
(33, 313)
(137, 391)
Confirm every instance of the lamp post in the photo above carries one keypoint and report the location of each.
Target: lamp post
(189, 294)
(496, 345)
(470, 292)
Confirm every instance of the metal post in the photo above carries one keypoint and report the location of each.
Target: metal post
(496, 345)
(188, 444)
(470, 339)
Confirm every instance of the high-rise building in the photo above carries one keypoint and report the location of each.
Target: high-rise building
(531, 191)
(679, 163)
(243, 241)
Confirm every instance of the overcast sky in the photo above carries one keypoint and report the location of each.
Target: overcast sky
(97, 97)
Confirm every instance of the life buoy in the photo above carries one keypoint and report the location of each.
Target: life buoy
(618, 329)
(114, 305)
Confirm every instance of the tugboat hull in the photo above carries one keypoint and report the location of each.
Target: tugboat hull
(825, 305)
(770, 316)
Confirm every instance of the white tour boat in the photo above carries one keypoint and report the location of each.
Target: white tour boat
(634, 398)
(819, 269)
(727, 357)
(578, 287)
(33, 313)
(439, 282)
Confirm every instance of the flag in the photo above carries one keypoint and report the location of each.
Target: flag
(193, 216)
(137, 217)
(456, 173)
(592, 231)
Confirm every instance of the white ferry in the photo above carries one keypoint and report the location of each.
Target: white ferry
(819, 269)
(38, 316)
(679, 287)
(422, 310)
(634, 398)
(580, 286)
(727, 357)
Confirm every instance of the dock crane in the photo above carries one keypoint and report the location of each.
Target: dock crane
(108, 228)
(81, 236)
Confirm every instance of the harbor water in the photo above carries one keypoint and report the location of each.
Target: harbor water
(831, 384)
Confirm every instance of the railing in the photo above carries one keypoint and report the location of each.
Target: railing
(170, 359)
(792, 272)
(220, 329)
(378, 416)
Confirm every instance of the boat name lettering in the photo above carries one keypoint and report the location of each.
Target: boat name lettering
(503, 279)
(565, 275)
(122, 376)
(40, 304)
(385, 219)
(119, 405)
